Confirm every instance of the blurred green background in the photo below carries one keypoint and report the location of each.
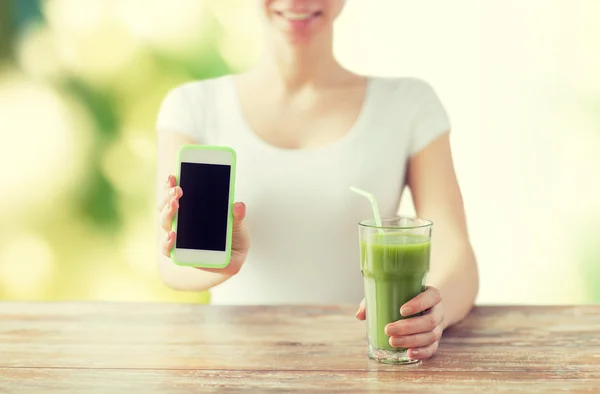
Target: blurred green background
(81, 82)
(80, 86)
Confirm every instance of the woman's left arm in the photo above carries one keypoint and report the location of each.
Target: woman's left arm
(437, 197)
(453, 279)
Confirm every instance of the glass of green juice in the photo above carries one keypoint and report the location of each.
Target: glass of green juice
(394, 259)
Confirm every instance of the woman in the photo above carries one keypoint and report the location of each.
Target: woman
(305, 129)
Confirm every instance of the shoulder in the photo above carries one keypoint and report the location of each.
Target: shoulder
(405, 87)
(414, 103)
(186, 104)
(414, 98)
(195, 92)
(183, 107)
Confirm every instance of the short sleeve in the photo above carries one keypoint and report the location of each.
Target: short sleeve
(176, 115)
(430, 118)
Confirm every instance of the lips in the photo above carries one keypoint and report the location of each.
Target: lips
(298, 17)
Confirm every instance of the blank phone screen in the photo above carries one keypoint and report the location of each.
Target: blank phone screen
(204, 206)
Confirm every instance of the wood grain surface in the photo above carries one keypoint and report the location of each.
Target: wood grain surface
(173, 348)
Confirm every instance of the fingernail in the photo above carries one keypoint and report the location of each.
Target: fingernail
(414, 353)
(406, 311)
(172, 192)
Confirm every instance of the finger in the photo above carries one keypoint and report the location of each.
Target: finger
(173, 192)
(170, 183)
(427, 299)
(422, 353)
(167, 244)
(240, 237)
(167, 214)
(417, 340)
(361, 314)
(239, 213)
(416, 325)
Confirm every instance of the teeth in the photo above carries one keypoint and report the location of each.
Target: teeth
(296, 16)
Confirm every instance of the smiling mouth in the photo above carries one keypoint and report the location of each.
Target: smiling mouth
(298, 16)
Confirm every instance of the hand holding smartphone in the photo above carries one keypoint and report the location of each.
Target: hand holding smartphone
(204, 221)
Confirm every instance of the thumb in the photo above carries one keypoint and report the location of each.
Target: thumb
(241, 240)
(361, 314)
(239, 213)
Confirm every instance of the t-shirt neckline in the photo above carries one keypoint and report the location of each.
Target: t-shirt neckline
(355, 130)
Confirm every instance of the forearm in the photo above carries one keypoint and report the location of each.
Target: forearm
(187, 278)
(457, 279)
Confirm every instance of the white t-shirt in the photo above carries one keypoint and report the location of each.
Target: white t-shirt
(301, 215)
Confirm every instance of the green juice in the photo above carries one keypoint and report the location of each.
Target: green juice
(394, 266)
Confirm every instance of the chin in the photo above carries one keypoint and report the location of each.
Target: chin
(301, 22)
(298, 39)
(299, 31)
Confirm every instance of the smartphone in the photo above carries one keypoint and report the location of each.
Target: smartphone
(204, 220)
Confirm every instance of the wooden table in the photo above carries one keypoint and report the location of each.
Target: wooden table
(173, 348)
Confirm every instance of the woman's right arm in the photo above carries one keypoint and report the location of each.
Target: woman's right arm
(175, 276)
